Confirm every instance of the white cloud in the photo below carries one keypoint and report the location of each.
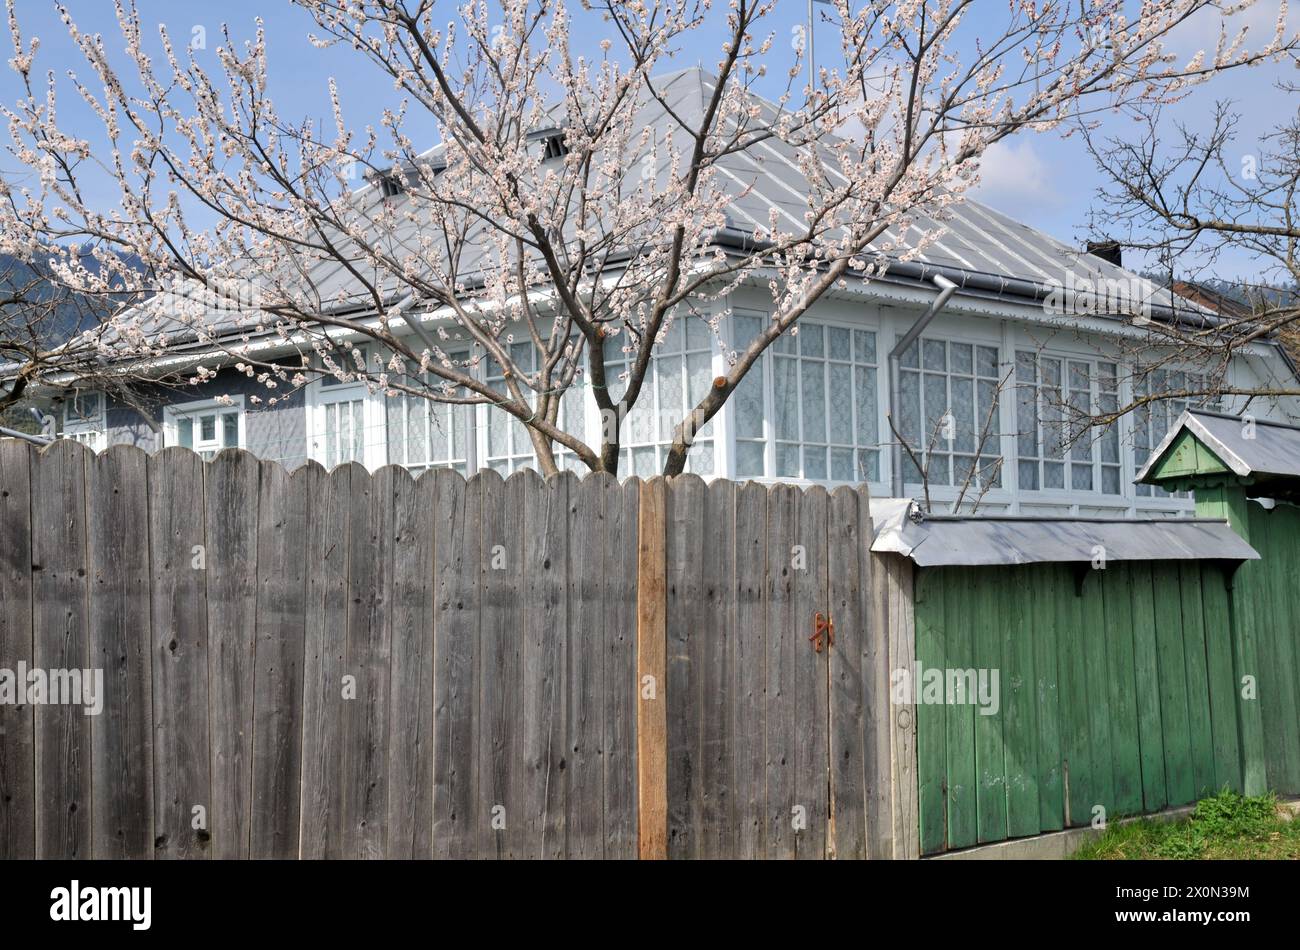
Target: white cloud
(1014, 178)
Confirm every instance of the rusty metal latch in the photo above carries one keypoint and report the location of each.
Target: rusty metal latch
(823, 632)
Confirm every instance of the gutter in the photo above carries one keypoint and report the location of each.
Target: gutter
(946, 289)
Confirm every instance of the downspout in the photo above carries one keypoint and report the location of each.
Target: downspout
(946, 289)
(26, 436)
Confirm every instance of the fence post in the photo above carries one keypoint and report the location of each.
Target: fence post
(651, 668)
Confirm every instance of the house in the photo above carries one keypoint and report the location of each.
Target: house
(1017, 329)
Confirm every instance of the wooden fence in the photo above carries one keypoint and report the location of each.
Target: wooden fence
(352, 665)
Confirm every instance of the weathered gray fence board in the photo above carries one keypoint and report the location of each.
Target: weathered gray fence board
(365, 718)
(812, 744)
(284, 512)
(892, 583)
(457, 540)
(501, 828)
(17, 742)
(853, 726)
(544, 792)
(749, 694)
(322, 811)
(410, 766)
(182, 764)
(117, 488)
(61, 641)
(687, 629)
(619, 685)
(231, 482)
(785, 638)
(714, 652)
(586, 589)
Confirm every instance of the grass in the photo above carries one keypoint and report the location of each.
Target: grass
(1227, 826)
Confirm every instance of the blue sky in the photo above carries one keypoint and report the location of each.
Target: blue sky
(1041, 179)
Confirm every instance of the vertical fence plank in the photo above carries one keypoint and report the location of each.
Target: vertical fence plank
(323, 746)
(501, 833)
(410, 759)
(1198, 681)
(117, 491)
(182, 764)
(1047, 695)
(715, 655)
(812, 742)
(931, 596)
(546, 652)
(1093, 603)
(587, 581)
(785, 635)
(991, 645)
(17, 742)
(961, 621)
(370, 577)
(61, 641)
(685, 632)
(651, 665)
(619, 559)
(231, 488)
(1145, 675)
(1019, 709)
(1121, 692)
(1172, 667)
(892, 591)
(284, 512)
(855, 723)
(749, 714)
(1223, 686)
(457, 537)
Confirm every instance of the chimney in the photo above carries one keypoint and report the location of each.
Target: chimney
(1108, 251)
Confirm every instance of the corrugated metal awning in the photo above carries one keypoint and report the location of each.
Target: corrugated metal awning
(952, 540)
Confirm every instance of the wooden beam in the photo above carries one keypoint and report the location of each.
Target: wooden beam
(651, 665)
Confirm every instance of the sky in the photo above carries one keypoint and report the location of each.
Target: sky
(1042, 179)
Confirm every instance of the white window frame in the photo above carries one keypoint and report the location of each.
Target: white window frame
(996, 445)
(374, 420)
(90, 431)
(173, 413)
(1067, 493)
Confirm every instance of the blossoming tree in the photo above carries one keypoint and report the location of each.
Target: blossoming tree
(546, 210)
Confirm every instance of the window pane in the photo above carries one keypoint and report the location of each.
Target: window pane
(749, 405)
(810, 340)
(963, 413)
(864, 346)
(841, 403)
(961, 358)
(838, 346)
(785, 391)
(932, 355)
(787, 460)
(814, 403)
(986, 363)
(749, 459)
(230, 430)
(207, 428)
(185, 432)
(864, 380)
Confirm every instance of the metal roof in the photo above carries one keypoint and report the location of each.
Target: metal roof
(1255, 449)
(973, 540)
(985, 252)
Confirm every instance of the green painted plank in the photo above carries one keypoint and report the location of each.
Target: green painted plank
(1102, 779)
(931, 749)
(1019, 711)
(1076, 750)
(1277, 651)
(958, 636)
(1121, 690)
(989, 592)
(1187, 456)
(1173, 684)
(1287, 526)
(1223, 693)
(1145, 677)
(1198, 682)
(1051, 802)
